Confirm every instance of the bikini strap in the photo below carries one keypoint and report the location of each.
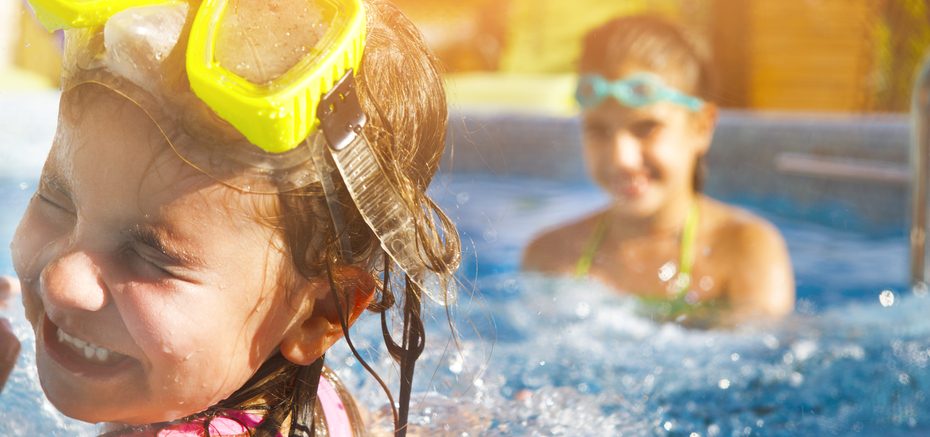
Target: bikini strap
(688, 255)
(583, 267)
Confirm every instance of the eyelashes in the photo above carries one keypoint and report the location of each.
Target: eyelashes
(144, 264)
(56, 205)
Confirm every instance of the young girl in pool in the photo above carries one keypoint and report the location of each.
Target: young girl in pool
(647, 121)
(200, 237)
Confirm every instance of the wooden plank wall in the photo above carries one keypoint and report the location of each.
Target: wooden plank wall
(812, 55)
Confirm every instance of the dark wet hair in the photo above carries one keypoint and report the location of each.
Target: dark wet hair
(401, 91)
(660, 45)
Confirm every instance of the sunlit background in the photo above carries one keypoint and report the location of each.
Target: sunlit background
(815, 138)
(821, 55)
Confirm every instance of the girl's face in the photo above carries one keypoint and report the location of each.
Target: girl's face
(154, 292)
(645, 157)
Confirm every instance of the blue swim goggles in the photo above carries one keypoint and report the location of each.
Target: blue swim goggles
(634, 91)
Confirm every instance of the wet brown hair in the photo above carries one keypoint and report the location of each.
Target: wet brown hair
(660, 45)
(401, 91)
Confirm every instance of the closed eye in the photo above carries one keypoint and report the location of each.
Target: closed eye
(53, 193)
(145, 260)
(644, 129)
(54, 203)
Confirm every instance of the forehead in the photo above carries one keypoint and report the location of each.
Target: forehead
(108, 151)
(675, 76)
(100, 129)
(612, 112)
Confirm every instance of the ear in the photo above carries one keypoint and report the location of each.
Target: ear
(321, 327)
(705, 122)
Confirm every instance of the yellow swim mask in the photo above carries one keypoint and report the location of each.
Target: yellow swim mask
(275, 116)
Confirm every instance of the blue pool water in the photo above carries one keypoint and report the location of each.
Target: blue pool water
(540, 356)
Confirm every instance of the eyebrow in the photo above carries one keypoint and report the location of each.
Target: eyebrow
(160, 240)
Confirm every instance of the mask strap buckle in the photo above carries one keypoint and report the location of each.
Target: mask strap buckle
(340, 113)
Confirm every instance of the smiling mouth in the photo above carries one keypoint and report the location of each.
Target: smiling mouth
(90, 351)
(80, 356)
(632, 187)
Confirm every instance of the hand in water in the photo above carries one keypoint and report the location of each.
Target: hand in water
(9, 344)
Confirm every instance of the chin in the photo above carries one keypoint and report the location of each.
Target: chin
(76, 407)
(642, 206)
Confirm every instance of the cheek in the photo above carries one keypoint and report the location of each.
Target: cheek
(598, 160)
(672, 157)
(224, 328)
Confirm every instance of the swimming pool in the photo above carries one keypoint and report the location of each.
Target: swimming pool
(559, 357)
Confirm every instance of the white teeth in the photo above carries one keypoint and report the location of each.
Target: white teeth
(89, 350)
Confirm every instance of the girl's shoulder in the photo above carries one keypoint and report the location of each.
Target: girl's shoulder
(731, 224)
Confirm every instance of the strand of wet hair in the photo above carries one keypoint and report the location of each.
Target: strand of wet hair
(414, 340)
(304, 404)
(345, 332)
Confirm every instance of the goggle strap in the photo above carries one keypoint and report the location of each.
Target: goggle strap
(378, 199)
(326, 169)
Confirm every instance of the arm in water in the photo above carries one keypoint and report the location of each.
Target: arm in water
(9, 344)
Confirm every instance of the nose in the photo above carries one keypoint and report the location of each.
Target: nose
(73, 281)
(627, 152)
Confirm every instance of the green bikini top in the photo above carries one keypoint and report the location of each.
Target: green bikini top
(685, 257)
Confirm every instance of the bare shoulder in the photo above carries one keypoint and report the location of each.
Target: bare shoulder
(557, 249)
(761, 280)
(739, 231)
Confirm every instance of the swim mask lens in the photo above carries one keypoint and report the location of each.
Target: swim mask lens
(634, 91)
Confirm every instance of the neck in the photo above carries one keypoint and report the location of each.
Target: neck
(668, 219)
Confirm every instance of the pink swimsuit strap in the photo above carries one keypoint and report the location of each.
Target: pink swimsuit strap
(234, 423)
(334, 410)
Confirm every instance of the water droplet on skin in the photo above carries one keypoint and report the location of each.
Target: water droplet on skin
(886, 298)
(667, 271)
(706, 283)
